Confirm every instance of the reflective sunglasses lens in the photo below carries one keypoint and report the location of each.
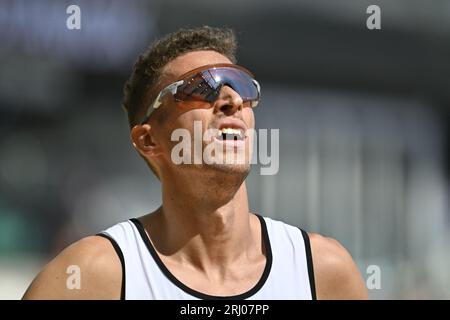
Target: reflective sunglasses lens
(206, 85)
(238, 80)
(196, 87)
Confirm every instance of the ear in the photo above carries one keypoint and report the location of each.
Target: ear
(144, 141)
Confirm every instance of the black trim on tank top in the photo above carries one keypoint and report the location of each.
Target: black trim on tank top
(122, 261)
(182, 286)
(309, 262)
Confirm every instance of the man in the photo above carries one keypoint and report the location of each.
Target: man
(203, 242)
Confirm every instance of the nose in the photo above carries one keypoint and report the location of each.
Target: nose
(229, 101)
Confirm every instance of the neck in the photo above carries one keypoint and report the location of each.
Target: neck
(206, 228)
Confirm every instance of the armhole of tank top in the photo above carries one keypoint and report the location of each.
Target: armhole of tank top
(309, 262)
(121, 258)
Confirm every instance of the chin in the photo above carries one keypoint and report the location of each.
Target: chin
(243, 169)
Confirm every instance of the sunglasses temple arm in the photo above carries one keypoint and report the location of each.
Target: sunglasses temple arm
(255, 103)
(172, 88)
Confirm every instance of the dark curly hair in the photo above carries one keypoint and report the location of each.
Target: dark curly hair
(140, 88)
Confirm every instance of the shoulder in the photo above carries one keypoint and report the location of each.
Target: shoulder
(336, 274)
(87, 269)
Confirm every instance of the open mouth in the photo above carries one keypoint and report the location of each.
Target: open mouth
(230, 134)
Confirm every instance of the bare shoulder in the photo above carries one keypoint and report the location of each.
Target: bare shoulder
(336, 274)
(87, 269)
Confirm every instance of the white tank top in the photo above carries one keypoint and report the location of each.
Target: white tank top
(288, 273)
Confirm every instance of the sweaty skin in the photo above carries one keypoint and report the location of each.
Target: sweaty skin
(204, 231)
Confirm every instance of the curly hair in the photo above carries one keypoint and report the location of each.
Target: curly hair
(140, 87)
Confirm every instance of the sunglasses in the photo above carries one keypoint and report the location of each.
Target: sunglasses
(205, 83)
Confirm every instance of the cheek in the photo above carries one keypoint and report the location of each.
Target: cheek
(249, 117)
(179, 118)
(198, 117)
(189, 125)
(164, 139)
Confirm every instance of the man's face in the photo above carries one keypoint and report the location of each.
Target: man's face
(226, 114)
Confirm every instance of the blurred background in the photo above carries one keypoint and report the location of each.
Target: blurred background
(363, 118)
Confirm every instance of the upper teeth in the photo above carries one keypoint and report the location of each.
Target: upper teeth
(231, 131)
